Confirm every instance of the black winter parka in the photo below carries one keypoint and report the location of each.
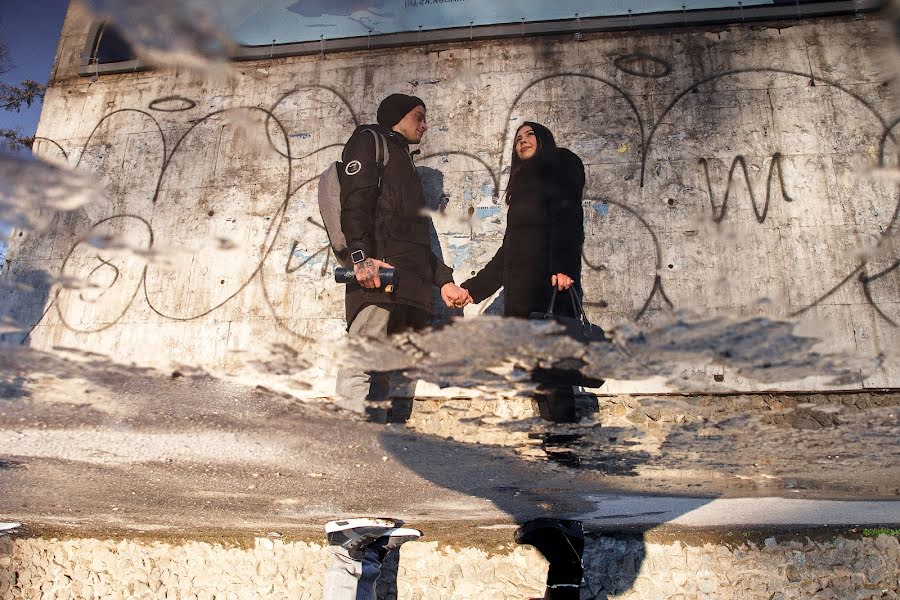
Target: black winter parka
(544, 236)
(389, 225)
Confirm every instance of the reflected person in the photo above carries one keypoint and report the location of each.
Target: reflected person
(359, 548)
(542, 244)
(381, 217)
(561, 542)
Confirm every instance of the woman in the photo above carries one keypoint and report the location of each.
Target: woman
(542, 245)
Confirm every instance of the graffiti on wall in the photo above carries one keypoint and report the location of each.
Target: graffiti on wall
(246, 176)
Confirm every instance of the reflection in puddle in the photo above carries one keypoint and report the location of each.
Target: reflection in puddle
(31, 190)
(186, 33)
(561, 542)
(493, 353)
(558, 447)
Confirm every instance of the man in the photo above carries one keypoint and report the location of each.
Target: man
(381, 218)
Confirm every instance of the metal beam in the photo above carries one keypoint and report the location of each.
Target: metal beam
(714, 16)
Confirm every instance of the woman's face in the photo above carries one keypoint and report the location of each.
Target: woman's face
(526, 143)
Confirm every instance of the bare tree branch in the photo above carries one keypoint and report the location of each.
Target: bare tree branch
(14, 141)
(12, 97)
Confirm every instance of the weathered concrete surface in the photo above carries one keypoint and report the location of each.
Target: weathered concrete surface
(625, 567)
(222, 174)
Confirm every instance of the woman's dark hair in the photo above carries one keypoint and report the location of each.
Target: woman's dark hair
(545, 146)
(544, 138)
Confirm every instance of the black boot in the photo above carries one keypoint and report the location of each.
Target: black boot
(556, 404)
(561, 542)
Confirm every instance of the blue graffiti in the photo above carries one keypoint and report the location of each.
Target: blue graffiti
(483, 212)
(459, 254)
(309, 260)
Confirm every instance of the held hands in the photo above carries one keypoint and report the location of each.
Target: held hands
(367, 272)
(455, 296)
(561, 281)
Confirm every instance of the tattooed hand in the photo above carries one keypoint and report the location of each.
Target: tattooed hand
(367, 272)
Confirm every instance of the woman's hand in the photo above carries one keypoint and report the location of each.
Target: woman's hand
(455, 296)
(561, 281)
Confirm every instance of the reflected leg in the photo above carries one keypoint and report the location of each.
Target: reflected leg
(561, 541)
(354, 386)
(556, 403)
(353, 576)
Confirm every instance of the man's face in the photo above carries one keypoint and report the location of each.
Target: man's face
(526, 142)
(413, 125)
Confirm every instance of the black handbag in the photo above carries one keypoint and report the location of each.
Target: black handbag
(567, 372)
(578, 327)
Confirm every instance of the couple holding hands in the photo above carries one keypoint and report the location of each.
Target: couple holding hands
(381, 216)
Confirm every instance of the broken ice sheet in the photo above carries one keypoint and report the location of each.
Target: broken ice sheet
(119, 245)
(32, 189)
(758, 348)
(186, 33)
(477, 352)
(447, 221)
(280, 360)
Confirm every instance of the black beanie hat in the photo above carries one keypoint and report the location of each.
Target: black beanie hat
(393, 108)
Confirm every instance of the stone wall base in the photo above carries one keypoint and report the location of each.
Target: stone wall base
(626, 567)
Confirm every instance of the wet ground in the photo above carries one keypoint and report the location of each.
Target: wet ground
(803, 445)
(87, 445)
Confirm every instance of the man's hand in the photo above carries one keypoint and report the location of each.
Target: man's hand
(561, 281)
(455, 296)
(367, 272)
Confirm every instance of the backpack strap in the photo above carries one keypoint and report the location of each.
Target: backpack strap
(382, 153)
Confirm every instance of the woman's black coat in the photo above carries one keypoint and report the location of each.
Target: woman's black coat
(544, 236)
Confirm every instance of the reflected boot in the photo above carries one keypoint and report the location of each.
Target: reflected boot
(394, 538)
(355, 534)
(555, 403)
(358, 548)
(561, 542)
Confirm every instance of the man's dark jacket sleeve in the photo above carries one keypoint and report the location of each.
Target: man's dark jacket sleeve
(442, 273)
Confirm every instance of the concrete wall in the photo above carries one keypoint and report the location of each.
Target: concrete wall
(725, 165)
(615, 567)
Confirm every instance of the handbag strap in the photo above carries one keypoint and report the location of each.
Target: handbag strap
(577, 307)
(549, 313)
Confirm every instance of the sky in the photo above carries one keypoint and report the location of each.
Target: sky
(30, 28)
